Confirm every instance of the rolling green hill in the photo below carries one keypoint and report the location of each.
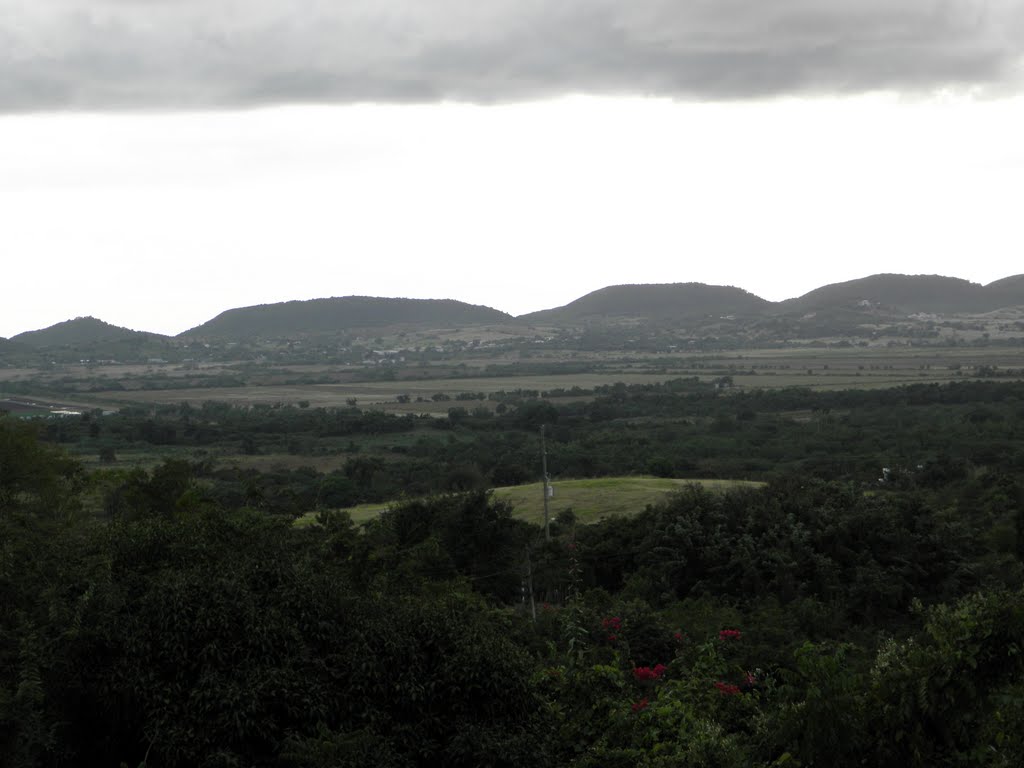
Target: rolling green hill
(591, 499)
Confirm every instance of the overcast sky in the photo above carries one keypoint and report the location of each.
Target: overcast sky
(164, 160)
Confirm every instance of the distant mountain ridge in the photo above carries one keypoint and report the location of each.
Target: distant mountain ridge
(886, 294)
(883, 294)
(333, 315)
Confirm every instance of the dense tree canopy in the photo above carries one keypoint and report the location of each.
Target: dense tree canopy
(175, 615)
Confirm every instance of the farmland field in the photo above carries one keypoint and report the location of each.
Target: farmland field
(387, 392)
(318, 385)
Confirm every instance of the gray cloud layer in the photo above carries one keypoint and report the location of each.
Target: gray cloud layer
(101, 54)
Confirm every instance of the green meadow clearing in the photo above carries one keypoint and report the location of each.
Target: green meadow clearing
(591, 499)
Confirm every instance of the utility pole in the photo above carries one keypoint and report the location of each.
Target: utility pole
(544, 468)
(529, 585)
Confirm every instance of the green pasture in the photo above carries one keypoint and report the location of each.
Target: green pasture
(590, 499)
(595, 498)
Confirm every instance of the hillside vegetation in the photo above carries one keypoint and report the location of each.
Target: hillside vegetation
(666, 301)
(82, 331)
(900, 293)
(1008, 292)
(337, 315)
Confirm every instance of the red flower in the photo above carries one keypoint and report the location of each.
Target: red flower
(642, 704)
(612, 638)
(729, 634)
(678, 637)
(612, 622)
(726, 689)
(646, 673)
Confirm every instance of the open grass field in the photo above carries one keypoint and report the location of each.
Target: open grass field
(591, 499)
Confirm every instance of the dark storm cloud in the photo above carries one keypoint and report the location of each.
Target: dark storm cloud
(100, 54)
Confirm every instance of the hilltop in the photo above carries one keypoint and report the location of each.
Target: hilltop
(909, 294)
(78, 332)
(889, 295)
(667, 301)
(335, 315)
(903, 294)
(87, 338)
(1008, 292)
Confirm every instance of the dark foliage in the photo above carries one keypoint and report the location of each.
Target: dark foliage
(840, 615)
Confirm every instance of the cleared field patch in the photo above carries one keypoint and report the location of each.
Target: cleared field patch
(591, 499)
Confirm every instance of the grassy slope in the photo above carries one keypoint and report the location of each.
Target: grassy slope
(596, 498)
(591, 499)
